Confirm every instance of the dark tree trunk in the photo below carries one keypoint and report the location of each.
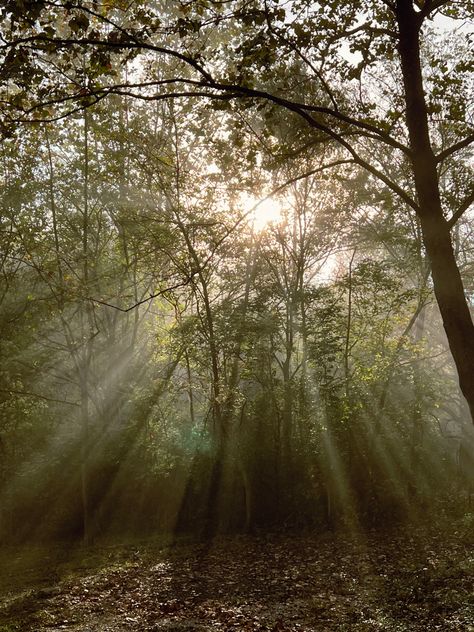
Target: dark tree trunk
(213, 502)
(447, 282)
(85, 500)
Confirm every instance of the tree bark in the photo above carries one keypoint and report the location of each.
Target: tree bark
(447, 282)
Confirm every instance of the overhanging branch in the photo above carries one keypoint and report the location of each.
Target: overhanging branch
(207, 81)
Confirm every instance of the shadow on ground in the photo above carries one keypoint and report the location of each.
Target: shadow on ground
(278, 583)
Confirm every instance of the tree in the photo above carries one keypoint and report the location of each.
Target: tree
(340, 98)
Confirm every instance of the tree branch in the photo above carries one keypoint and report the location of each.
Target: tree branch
(305, 111)
(133, 43)
(299, 107)
(37, 395)
(148, 298)
(430, 6)
(303, 57)
(465, 204)
(365, 27)
(275, 191)
(454, 148)
(209, 82)
(236, 224)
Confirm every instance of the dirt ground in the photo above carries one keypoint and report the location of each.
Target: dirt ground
(423, 581)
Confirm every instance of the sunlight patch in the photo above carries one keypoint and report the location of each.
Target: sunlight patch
(263, 213)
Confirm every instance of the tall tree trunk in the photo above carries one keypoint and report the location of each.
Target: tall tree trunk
(447, 282)
(87, 328)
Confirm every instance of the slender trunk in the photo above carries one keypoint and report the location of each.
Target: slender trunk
(250, 272)
(86, 329)
(287, 408)
(288, 394)
(417, 415)
(349, 428)
(234, 380)
(81, 364)
(301, 299)
(447, 282)
(217, 419)
(248, 497)
(190, 390)
(214, 514)
(349, 324)
(222, 469)
(220, 429)
(84, 464)
(85, 216)
(52, 201)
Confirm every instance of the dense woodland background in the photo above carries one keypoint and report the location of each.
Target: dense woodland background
(175, 357)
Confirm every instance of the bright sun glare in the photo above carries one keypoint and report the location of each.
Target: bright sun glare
(267, 212)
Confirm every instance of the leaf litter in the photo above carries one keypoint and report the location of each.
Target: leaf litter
(282, 582)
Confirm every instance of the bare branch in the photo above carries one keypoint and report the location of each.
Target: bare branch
(148, 298)
(454, 148)
(464, 206)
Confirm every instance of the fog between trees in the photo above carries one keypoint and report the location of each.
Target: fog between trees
(172, 362)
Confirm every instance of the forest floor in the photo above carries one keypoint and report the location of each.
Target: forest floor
(422, 581)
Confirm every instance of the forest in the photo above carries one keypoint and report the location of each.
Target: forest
(237, 257)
